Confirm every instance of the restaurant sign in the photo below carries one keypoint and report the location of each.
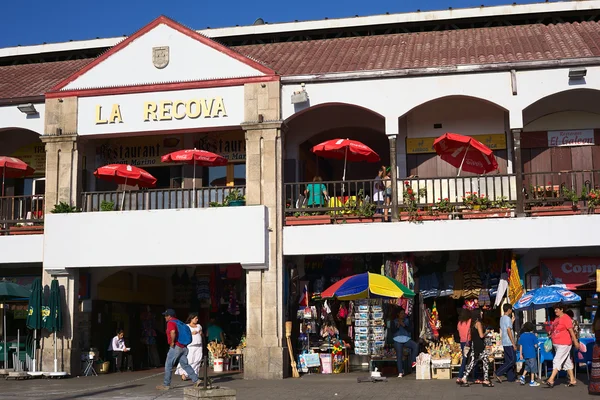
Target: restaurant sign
(138, 151)
(34, 155)
(496, 141)
(583, 137)
(231, 145)
(570, 272)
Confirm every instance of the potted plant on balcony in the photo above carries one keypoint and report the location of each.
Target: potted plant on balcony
(307, 218)
(235, 198)
(442, 209)
(107, 206)
(592, 197)
(64, 208)
(411, 198)
(358, 210)
(26, 228)
(483, 207)
(564, 204)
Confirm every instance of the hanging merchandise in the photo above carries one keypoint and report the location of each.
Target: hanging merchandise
(342, 313)
(471, 304)
(471, 281)
(502, 289)
(304, 298)
(458, 285)
(434, 321)
(234, 308)
(515, 289)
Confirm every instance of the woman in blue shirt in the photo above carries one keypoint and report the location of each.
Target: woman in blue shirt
(402, 338)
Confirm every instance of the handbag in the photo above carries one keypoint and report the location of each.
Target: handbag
(548, 345)
(466, 351)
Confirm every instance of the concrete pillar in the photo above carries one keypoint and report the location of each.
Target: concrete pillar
(265, 356)
(394, 170)
(518, 168)
(67, 343)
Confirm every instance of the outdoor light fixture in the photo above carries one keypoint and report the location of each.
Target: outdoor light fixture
(300, 96)
(577, 73)
(28, 109)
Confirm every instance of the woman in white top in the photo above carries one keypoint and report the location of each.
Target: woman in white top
(195, 348)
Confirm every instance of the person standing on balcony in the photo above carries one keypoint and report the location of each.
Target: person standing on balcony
(316, 193)
(509, 344)
(379, 189)
(387, 183)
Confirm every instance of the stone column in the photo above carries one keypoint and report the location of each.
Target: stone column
(68, 351)
(265, 356)
(518, 170)
(394, 170)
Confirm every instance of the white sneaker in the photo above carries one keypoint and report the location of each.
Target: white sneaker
(400, 375)
(534, 384)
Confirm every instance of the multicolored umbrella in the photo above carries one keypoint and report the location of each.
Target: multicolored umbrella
(347, 150)
(367, 286)
(465, 153)
(12, 167)
(545, 297)
(195, 157)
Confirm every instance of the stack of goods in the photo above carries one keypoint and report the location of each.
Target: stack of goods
(361, 328)
(423, 366)
(377, 328)
(440, 351)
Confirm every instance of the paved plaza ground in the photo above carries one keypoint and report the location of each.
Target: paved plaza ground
(141, 385)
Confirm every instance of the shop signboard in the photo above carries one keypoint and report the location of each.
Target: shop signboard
(137, 151)
(161, 111)
(424, 145)
(231, 145)
(584, 137)
(571, 272)
(34, 155)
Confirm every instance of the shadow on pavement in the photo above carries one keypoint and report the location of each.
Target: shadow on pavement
(92, 392)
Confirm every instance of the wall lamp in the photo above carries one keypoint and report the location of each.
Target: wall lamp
(577, 73)
(300, 96)
(28, 109)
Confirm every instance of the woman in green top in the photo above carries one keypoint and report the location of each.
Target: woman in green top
(214, 332)
(316, 193)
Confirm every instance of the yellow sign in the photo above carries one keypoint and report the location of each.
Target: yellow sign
(495, 141)
(166, 110)
(231, 145)
(138, 151)
(34, 155)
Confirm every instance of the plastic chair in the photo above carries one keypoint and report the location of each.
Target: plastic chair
(544, 356)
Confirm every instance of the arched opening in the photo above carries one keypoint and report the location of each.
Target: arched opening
(561, 133)
(479, 118)
(331, 121)
(27, 146)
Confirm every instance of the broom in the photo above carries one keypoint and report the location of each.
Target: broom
(288, 334)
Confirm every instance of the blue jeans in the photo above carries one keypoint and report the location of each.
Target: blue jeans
(178, 355)
(463, 364)
(414, 349)
(508, 368)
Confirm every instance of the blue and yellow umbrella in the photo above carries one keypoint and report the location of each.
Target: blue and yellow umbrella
(367, 286)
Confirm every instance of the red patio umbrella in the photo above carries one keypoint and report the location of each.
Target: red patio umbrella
(347, 150)
(195, 157)
(465, 153)
(13, 168)
(123, 174)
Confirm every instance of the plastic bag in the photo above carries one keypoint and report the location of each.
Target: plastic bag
(548, 345)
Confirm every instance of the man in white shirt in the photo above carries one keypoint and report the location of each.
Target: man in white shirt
(119, 350)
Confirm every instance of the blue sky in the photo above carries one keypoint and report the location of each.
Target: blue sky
(38, 21)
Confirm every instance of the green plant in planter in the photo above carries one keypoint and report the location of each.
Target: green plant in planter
(107, 206)
(501, 202)
(64, 208)
(235, 197)
(360, 207)
(570, 195)
(444, 205)
(216, 204)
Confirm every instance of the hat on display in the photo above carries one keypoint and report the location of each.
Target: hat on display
(170, 312)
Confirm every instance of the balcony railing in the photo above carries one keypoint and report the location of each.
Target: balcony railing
(159, 199)
(21, 215)
(469, 197)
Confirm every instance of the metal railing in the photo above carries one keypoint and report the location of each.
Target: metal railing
(21, 214)
(159, 199)
(555, 188)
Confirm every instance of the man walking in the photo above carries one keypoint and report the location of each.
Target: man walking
(509, 344)
(177, 353)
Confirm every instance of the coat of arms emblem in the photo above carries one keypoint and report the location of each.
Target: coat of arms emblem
(160, 56)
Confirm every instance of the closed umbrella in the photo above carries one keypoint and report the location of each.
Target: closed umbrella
(10, 291)
(34, 315)
(123, 173)
(195, 157)
(53, 321)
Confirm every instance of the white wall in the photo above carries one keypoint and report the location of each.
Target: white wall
(484, 234)
(564, 121)
(21, 249)
(11, 117)
(157, 237)
(466, 116)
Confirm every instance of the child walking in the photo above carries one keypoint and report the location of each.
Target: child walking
(528, 344)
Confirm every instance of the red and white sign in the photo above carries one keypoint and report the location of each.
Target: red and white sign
(571, 138)
(571, 272)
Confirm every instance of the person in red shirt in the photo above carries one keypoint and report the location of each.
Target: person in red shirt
(563, 337)
(177, 354)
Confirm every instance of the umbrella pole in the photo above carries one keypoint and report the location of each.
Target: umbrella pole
(34, 366)
(55, 354)
(123, 199)
(344, 176)
(3, 176)
(463, 160)
(194, 186)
